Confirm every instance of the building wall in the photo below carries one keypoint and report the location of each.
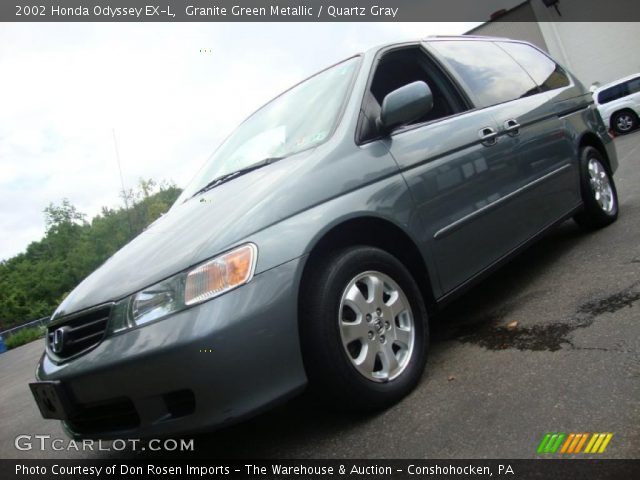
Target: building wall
(516, 23)
(594, 51)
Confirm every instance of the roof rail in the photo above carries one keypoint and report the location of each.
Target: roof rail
(479, 37)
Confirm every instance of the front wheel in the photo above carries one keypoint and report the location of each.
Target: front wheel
(363, 329)
(599, 194)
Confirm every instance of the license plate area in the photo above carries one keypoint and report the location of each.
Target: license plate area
(52, 400)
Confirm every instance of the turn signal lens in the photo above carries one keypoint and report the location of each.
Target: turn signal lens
(220, 275)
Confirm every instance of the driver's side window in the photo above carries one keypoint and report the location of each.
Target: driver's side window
(399, 68)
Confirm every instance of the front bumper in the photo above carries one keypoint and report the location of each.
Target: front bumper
(204, 367)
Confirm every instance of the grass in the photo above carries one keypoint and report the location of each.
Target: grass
(23, 336)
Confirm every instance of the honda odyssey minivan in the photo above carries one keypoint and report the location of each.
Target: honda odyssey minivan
(315, 244)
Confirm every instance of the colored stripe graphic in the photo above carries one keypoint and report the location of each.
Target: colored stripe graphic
(596, 446)
(598, 442)
(582, 442)
(551, 442)
(594, 437)
(606, 441)
(569, 441)
(543, 443)
(572, 443)
(558, 442)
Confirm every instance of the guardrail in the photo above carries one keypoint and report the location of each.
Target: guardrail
(28, 324)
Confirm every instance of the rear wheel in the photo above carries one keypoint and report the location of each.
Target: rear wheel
(363, 329)
(624, 122)
(598, 189)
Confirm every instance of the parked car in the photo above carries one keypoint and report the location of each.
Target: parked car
(619, 103)
(321, 236)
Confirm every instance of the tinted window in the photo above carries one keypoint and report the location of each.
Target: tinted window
(491, 74)
(544, 71)
(613, 93)
(634, 85)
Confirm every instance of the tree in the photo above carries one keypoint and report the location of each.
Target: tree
(65, 214)
(34, 282)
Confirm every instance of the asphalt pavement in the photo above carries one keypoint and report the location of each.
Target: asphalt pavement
(549, 343)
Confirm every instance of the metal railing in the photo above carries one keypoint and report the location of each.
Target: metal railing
(30, 323)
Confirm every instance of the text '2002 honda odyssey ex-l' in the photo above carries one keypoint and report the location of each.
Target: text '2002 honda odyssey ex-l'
(313, 245)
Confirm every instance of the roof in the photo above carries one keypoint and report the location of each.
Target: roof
(431, 38)
(462, 37)
(615, 82)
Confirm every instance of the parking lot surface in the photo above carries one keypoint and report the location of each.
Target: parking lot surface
(549, 343)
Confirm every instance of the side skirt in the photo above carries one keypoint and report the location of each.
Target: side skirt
(462, 288)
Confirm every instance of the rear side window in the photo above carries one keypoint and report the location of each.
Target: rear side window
(613, 93)
(634, 85)
(547, 74)
(491, 74)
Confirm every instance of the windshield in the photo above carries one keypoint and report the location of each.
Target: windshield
(297, 120)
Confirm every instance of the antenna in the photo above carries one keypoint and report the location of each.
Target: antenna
(124, 192)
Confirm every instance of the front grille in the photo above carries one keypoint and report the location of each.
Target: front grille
(78, 333)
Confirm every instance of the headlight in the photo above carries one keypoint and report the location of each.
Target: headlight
(204, 282)
(157, 301)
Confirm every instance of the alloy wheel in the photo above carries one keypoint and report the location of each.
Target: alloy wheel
(624, 122)
(601, 186)
(376, 326)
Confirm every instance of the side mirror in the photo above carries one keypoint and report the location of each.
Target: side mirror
(405, 104)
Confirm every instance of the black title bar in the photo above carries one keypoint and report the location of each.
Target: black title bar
(318, 10)
(318, 469)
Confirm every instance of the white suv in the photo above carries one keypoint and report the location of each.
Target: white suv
(619, 103)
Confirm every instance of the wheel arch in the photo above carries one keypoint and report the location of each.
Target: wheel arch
(375, 232)
(590, 139)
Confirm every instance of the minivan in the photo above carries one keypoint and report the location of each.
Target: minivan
(318, 240)
(619, 103)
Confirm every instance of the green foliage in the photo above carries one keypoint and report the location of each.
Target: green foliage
(33, 283)
(23, 336)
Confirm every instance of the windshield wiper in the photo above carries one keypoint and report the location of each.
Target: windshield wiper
(230, 176)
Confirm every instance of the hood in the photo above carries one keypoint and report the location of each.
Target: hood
(190, 233)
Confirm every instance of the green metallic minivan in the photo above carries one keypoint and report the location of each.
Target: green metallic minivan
(317, 241)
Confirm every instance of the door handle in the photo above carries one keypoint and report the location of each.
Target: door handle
(488, 136)
(512, 127)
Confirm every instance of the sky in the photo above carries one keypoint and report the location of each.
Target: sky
(170, 93)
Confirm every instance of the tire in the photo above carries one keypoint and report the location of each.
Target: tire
(624, 122)
(599, 194)
(347, 355)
